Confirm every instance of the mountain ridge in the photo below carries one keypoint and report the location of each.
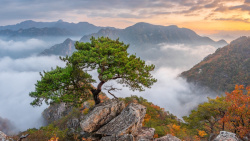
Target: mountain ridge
(35, 32)
(145, 33)
(77, 29)
(142, 36)
(225, 68)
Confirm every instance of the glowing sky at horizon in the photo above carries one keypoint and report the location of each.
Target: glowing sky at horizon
(202, 16)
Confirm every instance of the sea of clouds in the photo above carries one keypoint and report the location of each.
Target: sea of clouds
(171, 92)
(20, 67)
(18, 74)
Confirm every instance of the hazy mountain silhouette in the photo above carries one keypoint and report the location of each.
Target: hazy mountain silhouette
(77, 29)
(63, 49)
(144, 33)
(143, 36)
(35, 32)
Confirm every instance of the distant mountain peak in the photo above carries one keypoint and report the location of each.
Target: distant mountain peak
(63, 49)
(222, 41)
(240, 39)
(27, 21)
(142, 23)
(68, 40)
(173, 26)
(60, 21)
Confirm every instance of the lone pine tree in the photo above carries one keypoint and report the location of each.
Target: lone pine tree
(111, 61)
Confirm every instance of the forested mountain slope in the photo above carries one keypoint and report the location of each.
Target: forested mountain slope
(225, 68)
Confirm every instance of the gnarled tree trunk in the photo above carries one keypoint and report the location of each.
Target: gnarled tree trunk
(96, 92)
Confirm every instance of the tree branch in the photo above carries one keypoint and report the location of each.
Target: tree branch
(111, 88)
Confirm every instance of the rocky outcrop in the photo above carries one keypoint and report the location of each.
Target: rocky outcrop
(126, 137)
(128, 122)
(112, 121)
(226, 136)
(107, 121)
(55, 112)
(145, 134)
(168, 137)
(101, 114)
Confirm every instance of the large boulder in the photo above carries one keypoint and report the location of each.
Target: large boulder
(145, 134)
(128, 122)
(168, 137)
(226, 136)
(126, 137)
(101, 115)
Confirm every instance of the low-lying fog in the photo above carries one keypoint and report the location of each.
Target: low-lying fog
(20, 67)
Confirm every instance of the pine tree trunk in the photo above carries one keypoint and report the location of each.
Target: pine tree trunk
(96, 92)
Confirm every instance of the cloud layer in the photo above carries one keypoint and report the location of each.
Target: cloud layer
(17, 49)
(170, 91)
(177, 56)
(18, 77)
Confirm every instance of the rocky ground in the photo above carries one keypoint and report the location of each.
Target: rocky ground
(112, 121)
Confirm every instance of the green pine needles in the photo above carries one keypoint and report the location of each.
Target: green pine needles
(111, 61)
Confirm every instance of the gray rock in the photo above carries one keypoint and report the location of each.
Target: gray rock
(126, 137)
(128, 122)
(168, 137)
(102, 114)
(2, 136)
(54, 112)
(226, 136)
(145, 134)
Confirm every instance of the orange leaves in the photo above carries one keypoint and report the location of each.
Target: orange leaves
(238, 113)
(155, 107)
(202, 133)
(173, 129)
(229, 113)
(103, 97)
(156, 135)
(146, 119)
(176, 127)
(53, 138)
(85, 111)
(197, 138)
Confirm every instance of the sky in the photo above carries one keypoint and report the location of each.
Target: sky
(202, 16)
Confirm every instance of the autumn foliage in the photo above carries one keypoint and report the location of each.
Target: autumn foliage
(223, 113)
(238, 114)
(160, 119)
(226, 113)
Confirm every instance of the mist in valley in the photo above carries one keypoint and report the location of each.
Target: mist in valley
(19, 72)
(170, 91)
(20, 67)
